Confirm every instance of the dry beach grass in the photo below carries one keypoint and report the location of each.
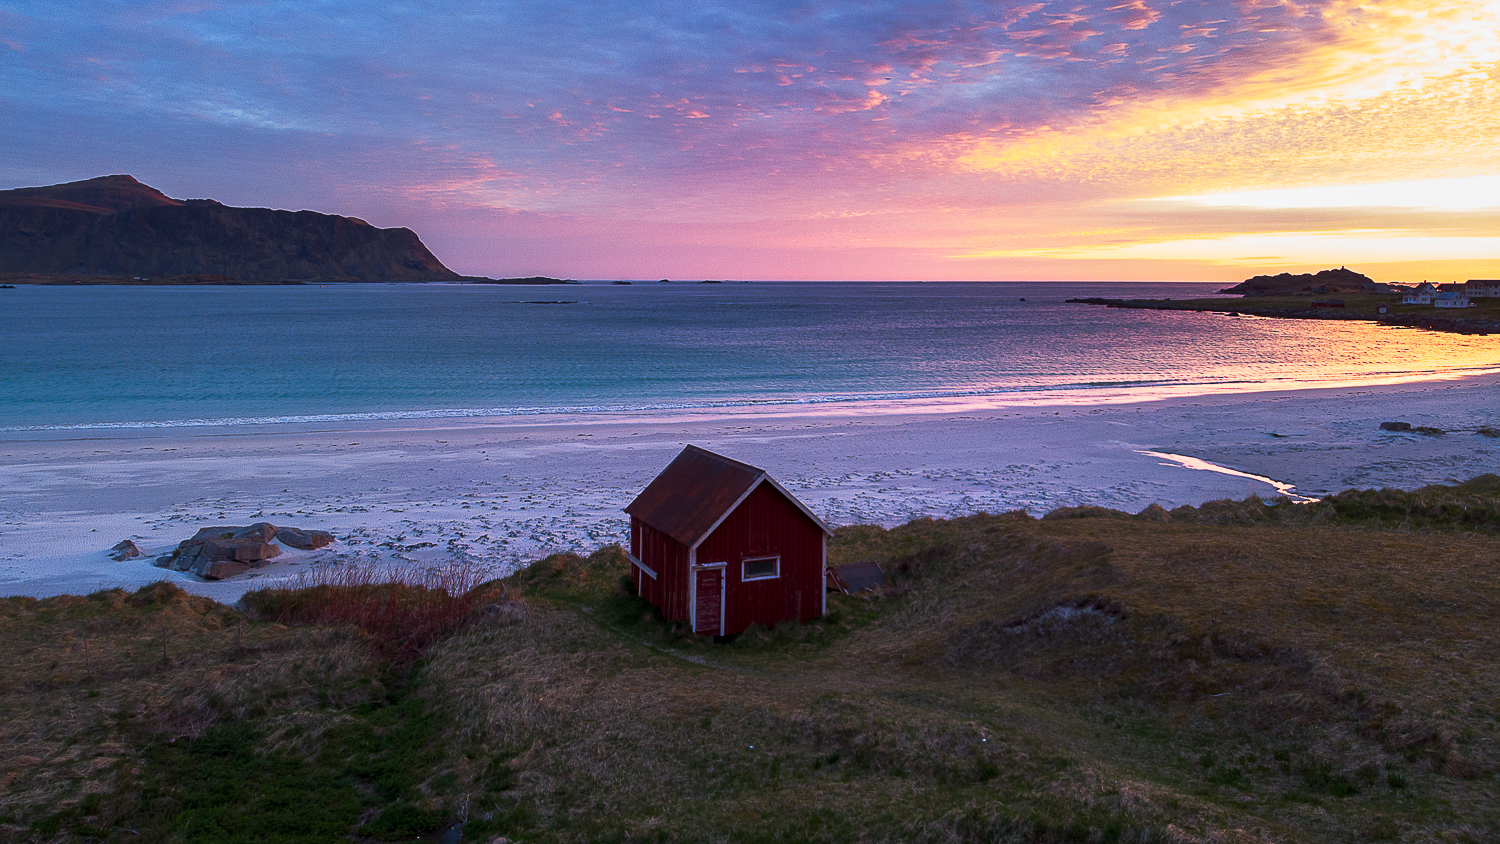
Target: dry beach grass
(86, 688)
(400, 609)
(1241, 671)
(1057, 680)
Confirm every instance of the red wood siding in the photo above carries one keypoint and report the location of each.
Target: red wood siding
(710, 598)
(668, 591)
(766, 524)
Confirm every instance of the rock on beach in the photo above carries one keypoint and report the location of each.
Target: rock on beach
(303, 540)
(214, 553)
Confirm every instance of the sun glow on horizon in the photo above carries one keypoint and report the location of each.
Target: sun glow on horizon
(1367, 90)
(1467, 193)
(1299, 248)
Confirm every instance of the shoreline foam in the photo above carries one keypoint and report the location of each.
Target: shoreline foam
(901, 403)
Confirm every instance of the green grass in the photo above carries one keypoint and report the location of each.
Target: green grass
(1216, 636)
(1470, 506)
(1298, 673)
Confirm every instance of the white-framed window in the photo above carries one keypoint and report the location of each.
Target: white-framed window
(760, 568)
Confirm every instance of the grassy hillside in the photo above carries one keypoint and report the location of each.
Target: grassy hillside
(1241, 671)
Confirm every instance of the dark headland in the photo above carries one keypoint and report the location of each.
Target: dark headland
(115, 230)
(1341, 280)
(1328, 294)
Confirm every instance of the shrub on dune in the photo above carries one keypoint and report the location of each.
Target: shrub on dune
(403, 609)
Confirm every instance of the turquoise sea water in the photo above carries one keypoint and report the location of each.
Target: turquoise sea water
(102, 357)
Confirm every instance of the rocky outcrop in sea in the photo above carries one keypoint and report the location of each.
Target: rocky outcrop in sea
(1341, 280)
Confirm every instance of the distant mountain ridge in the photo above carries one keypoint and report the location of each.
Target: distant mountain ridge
(115, 225)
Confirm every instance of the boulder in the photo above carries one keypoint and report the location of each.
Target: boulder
(1395, 426)
(243, 547)
(304, 540)
(215, 553)
(260, 532)
(220, 569)
(124, 550)
(248, 550)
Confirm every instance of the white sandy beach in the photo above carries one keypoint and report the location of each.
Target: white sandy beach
(495, 493)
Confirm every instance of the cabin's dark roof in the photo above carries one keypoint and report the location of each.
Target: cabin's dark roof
(856, 577)
(696, 491)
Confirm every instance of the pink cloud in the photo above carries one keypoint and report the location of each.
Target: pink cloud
(1136, 14)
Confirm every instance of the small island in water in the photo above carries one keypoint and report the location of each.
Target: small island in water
(1463, 308)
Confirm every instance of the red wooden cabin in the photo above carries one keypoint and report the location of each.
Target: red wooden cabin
(722, 546)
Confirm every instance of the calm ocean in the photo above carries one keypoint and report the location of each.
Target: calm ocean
(107, 357)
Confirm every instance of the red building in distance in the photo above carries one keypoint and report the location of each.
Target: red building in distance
(721, 545)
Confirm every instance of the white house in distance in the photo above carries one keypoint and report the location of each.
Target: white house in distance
(1482, 288)
(1450, 299)
(1420, 295)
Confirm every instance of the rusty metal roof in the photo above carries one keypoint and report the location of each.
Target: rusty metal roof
(696, 491)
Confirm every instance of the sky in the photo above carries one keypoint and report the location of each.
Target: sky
(642, 139)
